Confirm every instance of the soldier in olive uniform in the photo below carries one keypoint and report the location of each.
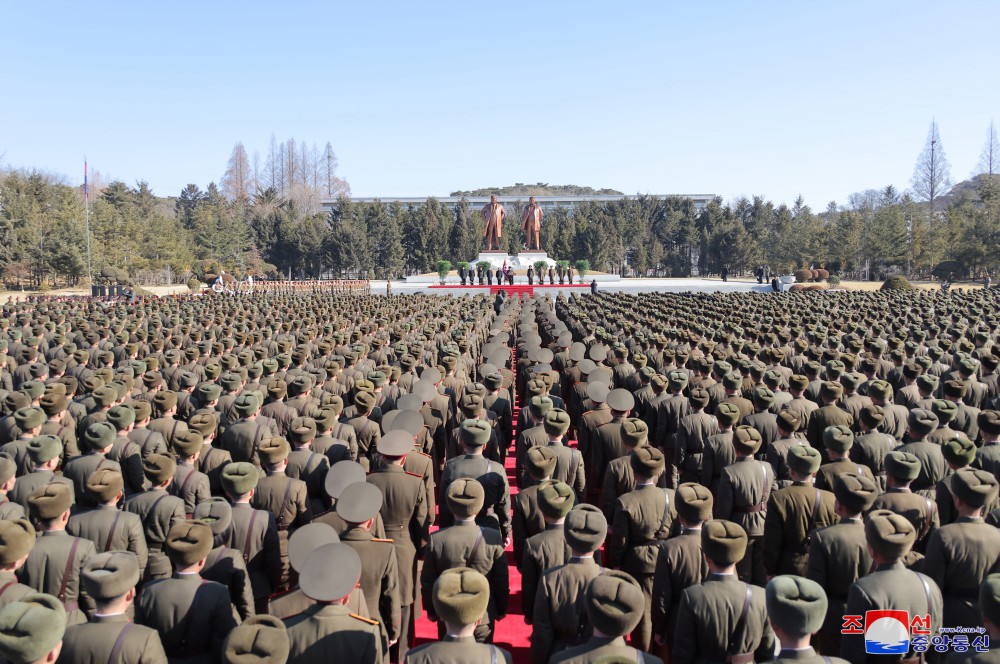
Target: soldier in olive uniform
(467, 545)
(614, 605)
(642, 520)
(679, 563)
(367, 429)
(404, 513)
(460, 598)
(282, 496)
(828, 415)
(718, 451)
(527, 519)
(327, 630)
(607, 444)
(960, 555)
(901, 469)
(109, 528)
(933, 467)
(224, 564)
(307, 465)
(43, 454)
(192, 615)
(190, 484)
(491, 475)
(559, 618)
(9, 510)
(890, 586)
(254, 532)
(723, 618)
(871, 446)
(619, 478)
(242, 437)
(548, 548)
(838, 554)
(797, 607)
(692, 435)
(788, 424)
(55, 562)
(98, 439)
(17, 538)
(793, 513)
(742, 495)
(158, 511)
(838, 441)
(358, 506)
(110, 579)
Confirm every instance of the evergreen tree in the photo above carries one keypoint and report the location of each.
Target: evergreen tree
(186, 203)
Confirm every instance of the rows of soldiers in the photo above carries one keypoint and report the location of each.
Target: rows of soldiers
(248, 479)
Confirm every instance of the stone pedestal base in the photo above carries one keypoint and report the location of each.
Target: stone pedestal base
(519, 262)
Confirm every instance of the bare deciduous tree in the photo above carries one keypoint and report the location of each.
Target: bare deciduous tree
(989, 159)
(932, 174)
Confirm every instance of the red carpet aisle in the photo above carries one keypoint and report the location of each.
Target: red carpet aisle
(511, 632)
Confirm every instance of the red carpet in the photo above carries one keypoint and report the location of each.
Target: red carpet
(511, 632)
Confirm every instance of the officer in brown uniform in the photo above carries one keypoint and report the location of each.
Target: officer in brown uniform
(960, 555)
(793, 513)
(254, 532)
(55, 562)
(838, 554)
(559, 618)
(158, 511)
(225, 564)
(327, 630)
(797, 607)
(548, 548)
(723, 619)
(109, 528)
(110, 579)
(614, 605)
(17, 538)
(404, 513)
(358, 508)
(680, 563)
(192, 615)
(467, 545)
(890, 586)
(742, 495)
(460, 598)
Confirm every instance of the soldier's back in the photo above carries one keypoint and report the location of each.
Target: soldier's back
(451, 650)
(603, 649)
(709, 628)
(330, 633)
(94, 642)
(560, 617)
(192, 615)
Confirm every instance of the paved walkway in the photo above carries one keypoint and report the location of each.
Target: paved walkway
(623, 286)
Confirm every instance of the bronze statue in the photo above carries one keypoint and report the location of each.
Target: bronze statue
(531, 222)
(493, 215)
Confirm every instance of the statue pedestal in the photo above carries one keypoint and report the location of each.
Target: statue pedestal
(519, 262)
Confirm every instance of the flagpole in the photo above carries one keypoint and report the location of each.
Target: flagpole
(86, 199)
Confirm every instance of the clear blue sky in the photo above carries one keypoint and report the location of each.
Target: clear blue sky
(421, 98)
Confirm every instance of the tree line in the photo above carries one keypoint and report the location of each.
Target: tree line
(265, 217)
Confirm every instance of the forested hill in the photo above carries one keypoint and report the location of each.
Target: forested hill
(539, 189)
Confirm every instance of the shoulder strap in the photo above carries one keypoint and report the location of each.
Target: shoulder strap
(475, 548)
(741, 620)
(6, 586)
(767, 485)
(927, 595)
(815, 513)
(928, 517)
(111, 533)
(119, 643)
(639, 658)
(246, 540)
(306, 470)
(69, 566)
(284, 501)
(493, 654)
(180, 489)
(666, 510)
(152, 510)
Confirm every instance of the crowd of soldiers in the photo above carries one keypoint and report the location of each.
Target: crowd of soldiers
(297, 476)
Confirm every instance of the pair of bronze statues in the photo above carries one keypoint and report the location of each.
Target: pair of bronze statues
(494, 214)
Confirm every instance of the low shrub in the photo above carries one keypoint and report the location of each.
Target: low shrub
(896, 283)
